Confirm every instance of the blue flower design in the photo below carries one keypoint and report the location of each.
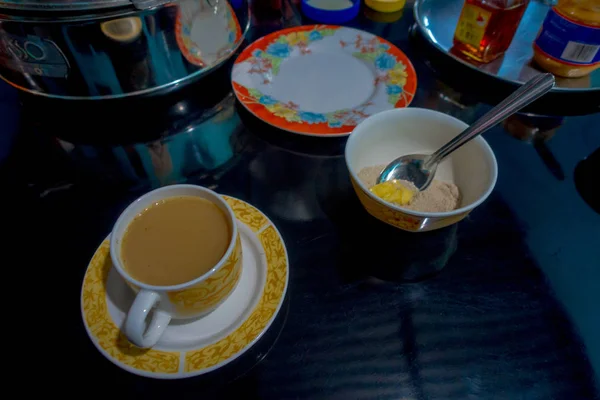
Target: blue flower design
(281, 50)
(335, 124)
(267, 100)
(257, 53)
(383, 46)
(315, 35)
(312, 118)
(393, 89)
(385, 61)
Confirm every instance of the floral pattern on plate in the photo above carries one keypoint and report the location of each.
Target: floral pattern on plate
(390, 71)
(259, 65)
(290, 112)
(268, 61)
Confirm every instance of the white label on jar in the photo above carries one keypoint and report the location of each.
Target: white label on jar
(580, 52)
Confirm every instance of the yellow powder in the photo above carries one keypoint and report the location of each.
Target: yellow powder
(438, 197)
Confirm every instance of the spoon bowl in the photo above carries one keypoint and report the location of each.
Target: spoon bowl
(409, 168)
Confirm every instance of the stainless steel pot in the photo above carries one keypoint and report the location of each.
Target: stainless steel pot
(99, 49)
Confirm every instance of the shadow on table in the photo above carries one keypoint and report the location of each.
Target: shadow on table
(294, 143)
(371, 248)
(486, 326)
(231, 379)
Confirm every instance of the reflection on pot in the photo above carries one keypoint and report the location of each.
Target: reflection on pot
(206, 33)
(123, 30)
(118, 52)
(206, 146)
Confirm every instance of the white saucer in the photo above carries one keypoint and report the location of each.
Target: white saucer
(193, 347)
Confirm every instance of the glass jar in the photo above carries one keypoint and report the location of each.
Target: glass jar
(486, 28)
(568, 44)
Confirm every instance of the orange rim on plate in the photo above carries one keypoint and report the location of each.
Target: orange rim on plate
(395, 78)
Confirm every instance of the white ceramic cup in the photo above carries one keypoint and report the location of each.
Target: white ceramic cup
(192, 299)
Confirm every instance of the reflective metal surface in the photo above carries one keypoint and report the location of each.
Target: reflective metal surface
(119, 54)
(437, 21)
(206, 145)
(61, 5)
(77, 5)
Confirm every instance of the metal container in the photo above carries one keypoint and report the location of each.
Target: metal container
(101, 49)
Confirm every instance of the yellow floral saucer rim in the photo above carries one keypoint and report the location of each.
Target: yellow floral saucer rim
(165, 363)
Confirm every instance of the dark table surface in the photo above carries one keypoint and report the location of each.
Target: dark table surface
(504, 304)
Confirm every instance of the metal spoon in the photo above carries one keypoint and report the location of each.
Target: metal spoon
(420, 168)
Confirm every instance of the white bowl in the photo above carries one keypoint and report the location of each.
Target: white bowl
(383, 137)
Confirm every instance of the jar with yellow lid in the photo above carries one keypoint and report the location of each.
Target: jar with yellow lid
(568, 44)
(386, 5)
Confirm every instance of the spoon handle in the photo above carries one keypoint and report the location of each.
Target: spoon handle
(525, 95)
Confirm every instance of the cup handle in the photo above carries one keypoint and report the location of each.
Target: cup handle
(135, 325)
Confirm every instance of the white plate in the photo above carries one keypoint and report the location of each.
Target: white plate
(322, 80)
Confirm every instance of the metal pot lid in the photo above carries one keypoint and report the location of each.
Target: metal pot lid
(77, 5)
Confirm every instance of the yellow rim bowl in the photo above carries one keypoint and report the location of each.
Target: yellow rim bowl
(385, 136)
(385, 6)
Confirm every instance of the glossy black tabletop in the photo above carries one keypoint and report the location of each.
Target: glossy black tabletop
(503, 305)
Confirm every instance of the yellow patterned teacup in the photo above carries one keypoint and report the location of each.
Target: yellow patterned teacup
(188, 300)
(383, 137)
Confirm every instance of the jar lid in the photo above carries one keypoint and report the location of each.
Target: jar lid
(330, 11)
(76, 5)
